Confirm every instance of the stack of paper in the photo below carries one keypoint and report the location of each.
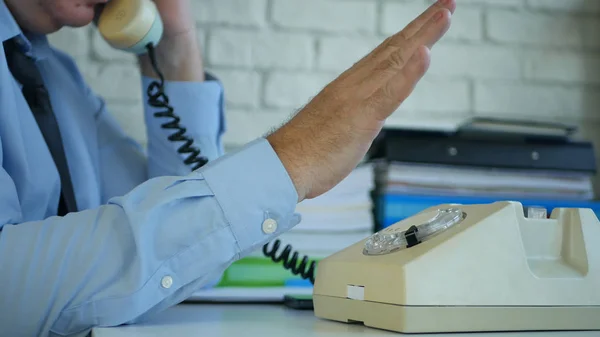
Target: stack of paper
(336, 219)
(425, 179)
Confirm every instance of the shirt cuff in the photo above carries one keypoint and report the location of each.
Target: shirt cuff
(255, 192)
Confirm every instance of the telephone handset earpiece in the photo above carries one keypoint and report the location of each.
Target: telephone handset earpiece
(130, 25)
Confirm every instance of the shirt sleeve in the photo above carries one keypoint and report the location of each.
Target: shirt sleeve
(143, 251)
(124, 163)
(200, 107)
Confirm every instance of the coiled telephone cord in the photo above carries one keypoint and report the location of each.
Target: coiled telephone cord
(157, 98)
(289, 259)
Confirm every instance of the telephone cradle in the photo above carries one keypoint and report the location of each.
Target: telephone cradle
(469, 268)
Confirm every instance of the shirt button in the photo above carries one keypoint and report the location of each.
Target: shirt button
(269, 226)
(166, 282)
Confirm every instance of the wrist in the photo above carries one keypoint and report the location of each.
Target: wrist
(318, 151)
(179, 58)
(283, 143)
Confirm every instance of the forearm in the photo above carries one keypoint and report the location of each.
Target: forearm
(141, 252)
(179, 58)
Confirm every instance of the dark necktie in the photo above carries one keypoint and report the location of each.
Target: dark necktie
(26, 72)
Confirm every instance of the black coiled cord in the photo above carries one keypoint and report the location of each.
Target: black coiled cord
(291, 263)
(158, 99)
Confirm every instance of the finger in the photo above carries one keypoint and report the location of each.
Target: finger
(392, 62)
(431, 33)
(411, 29)
(428, 35)
(389, 97)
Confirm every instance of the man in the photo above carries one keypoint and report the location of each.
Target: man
(146, 231)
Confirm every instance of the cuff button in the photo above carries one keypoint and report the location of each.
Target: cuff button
(166, 282)
(269, 226)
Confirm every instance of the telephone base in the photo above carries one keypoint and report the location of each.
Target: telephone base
(438, 319)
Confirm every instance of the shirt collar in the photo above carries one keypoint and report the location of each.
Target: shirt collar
(36, 45)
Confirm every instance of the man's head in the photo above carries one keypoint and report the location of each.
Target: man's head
(48, 16)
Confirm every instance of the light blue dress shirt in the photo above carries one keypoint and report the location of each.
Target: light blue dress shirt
(149, 233)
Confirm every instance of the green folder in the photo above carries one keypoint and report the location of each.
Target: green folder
(257, 272)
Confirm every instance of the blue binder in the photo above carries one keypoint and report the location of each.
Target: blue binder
(392, 208)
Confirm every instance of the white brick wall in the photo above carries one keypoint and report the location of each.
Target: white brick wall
(536, 58)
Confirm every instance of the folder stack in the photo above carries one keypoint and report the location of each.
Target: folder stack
(483, 161)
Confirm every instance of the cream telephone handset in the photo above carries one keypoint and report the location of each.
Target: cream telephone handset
(130, 25)
(135, 26)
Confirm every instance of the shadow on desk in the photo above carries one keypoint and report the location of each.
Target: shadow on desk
(220, 320)
(250, 320)
(233, 313)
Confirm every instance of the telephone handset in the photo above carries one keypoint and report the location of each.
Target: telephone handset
(135, 26)
(130, 25)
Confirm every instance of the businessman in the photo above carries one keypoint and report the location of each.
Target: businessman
(95, 232)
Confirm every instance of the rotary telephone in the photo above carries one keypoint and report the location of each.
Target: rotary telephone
(135, 26)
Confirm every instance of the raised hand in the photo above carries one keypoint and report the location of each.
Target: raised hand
(323, 143)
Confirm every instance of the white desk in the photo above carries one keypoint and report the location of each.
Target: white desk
(233, 320)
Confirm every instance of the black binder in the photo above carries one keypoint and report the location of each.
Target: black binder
(484, 149)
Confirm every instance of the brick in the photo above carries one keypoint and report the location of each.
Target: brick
(466, 22)
(564, 67)
(326, 15)
(340, 53)
(118, 82)
(492, 3)
(475, 61)
(242, 87)
(244, 126)
(104, 52)
(293, 90)
(538, 29)
(590, 28)
(571, 6)
(536, 100)
(232, 12)
(73, 41)
(202, 33)
(438, 95)
(261, 50)
(460, 60)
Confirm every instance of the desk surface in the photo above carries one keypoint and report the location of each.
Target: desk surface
(227, 320)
